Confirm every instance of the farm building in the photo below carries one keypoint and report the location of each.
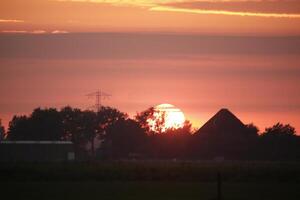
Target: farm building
(36, 151)
(224, 136)
(223, 123)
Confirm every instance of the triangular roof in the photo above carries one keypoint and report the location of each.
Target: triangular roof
(223, 122)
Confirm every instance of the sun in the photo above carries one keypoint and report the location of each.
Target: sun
(173, 117)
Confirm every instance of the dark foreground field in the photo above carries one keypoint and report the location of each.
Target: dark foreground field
(147, 190)
(150, 180)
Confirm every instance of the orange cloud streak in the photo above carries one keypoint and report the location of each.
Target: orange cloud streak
(11, 21)
(224, 12)
(159, 6)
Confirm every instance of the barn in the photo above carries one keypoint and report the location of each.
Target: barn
(223, 136)
(223, 124)
(36, 151)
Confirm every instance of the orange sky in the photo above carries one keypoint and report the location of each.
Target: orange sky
(276, 17)
(198, 55)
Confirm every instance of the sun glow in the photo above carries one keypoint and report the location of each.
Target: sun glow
(169, 115)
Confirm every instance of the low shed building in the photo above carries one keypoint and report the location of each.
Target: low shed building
(36, 151)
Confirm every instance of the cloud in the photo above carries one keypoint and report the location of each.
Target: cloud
(147, 3)
(278, 7)
(25, 31)
(223, 12)
(14, 31)
(35, 31)
(38, 32)
(245, 8)
(11, 21)
(59, 32)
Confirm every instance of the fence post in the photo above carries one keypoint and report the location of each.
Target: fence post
(219, 197)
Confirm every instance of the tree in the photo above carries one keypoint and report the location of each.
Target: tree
(85, 126)
(279, 142)
(105, 118)
(76, 127)
(46, 124)
(252, 130)
(2, 131)
(92, 125)
(143, 117)
(173, 143)
(280, 130)
(18, 128)
(108, 116)
(71, 119)
(88, 128)
(152, 121)
(124, 137)
(185, 129)
(42, 124)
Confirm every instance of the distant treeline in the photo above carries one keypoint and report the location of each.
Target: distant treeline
(125, 138)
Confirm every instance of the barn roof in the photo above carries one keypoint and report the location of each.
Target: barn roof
(223, 121)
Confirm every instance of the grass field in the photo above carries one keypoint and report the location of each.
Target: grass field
(145, 180)
(154, 190)
(152, 171)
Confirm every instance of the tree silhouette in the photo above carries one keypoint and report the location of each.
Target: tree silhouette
(223, 135)
(42, 124)
(2, 131)
(19, 128)
(75, 128)
(72, 126)
(88, 128)
(46, 124)
(85, 126)
(124, 137)
(252, 130)
(185, 129)
(105, 118)
(173, 143)
(153, 121)
(108, 116)
(279, 142)
(279, 130)
(143, 117)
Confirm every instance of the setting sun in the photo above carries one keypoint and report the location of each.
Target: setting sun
(172, 117)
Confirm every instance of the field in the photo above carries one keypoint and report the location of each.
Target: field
(150, 180)
(147, 190)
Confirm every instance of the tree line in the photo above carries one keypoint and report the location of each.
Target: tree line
(111, 134)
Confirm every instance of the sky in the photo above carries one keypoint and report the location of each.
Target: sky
(200, 56)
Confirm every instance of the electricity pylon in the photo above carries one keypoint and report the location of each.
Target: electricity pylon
(99, 97)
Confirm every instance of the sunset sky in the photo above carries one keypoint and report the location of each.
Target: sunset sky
(197, 55)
